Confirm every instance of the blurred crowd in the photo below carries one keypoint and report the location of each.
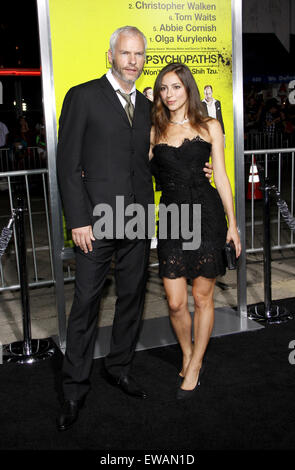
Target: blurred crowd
(24, 143)
(269, 122)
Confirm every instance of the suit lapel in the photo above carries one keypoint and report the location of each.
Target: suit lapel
(111, 95)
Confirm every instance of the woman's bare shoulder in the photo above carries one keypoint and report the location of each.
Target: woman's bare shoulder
(214, 128)
(214, 124)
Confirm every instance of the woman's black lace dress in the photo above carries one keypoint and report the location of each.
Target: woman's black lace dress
(179, 174)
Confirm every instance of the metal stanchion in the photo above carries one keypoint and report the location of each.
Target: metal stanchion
(269, 311)
(29, 350)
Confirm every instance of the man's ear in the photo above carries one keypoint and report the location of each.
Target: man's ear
(110, 56)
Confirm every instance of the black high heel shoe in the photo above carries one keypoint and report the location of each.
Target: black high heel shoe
(179, 380)
(182, 394)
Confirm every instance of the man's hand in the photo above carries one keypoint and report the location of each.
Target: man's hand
(82, 237)
(208, 170)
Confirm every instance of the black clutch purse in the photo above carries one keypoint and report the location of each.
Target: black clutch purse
(231, 260)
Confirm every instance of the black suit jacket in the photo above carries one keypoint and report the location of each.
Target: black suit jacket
(95, 137)
(218, 112)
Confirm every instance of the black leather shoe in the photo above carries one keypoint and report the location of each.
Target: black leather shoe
(69, 414)
(129, 385)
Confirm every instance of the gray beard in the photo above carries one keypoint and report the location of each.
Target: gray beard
(119, 75)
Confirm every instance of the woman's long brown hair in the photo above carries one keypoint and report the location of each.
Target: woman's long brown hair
(161, 114)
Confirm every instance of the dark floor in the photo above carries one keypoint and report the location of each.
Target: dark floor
(245, 402)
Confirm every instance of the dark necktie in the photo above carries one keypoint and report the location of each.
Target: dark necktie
(129, 108)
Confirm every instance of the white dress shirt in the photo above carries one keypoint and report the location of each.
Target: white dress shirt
(211, 107)
(116, 87)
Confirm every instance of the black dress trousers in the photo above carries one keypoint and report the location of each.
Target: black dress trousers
(131, 262)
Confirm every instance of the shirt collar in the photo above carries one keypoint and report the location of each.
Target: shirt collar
(115, 84)
(209, 103)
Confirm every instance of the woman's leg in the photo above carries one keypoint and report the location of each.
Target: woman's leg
(203, 291)
(176, 293)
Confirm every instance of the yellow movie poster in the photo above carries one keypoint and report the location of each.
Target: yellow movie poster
(198, 34)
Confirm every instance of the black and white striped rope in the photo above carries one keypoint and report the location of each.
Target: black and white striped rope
(282, 205)
(6, 235)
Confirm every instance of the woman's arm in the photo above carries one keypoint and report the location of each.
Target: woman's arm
(222, 182)
(152, 142)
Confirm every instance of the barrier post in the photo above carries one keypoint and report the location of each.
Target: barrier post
(27, 351)
(268, 311)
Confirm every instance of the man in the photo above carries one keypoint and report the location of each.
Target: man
(149, 93)
(102, 154)
(3, 134)
(212, 107)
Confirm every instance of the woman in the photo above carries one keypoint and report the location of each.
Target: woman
(182, 139)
